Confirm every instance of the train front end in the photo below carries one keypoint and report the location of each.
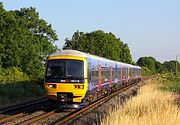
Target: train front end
(66, 79)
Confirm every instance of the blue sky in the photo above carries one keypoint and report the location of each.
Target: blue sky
(150, 27)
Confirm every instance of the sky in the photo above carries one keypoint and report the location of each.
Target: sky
(149, 27)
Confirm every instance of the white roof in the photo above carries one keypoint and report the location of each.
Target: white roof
(85, 55)
(69, 53)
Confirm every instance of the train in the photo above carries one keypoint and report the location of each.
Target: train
(74, 79)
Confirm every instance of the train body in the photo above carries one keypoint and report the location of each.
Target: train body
(75, 78)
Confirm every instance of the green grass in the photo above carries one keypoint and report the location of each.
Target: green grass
(170, 82)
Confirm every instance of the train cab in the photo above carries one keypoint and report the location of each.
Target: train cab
(66, 77)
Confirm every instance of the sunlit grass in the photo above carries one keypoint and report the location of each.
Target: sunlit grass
(150, 107)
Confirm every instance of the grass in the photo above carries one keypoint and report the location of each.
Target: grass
(150, 107)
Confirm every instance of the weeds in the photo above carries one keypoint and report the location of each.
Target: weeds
(151, 107)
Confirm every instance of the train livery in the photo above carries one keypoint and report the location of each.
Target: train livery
(74, 78)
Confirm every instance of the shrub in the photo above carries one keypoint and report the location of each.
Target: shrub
(170, 82)
(18, 91)
(12, 75)
(146, 72)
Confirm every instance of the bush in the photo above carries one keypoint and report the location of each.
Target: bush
(16, 86)
(12, 75)
(146, 72)
(20, 90)
(170, 82)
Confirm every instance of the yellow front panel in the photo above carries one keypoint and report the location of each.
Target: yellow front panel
(68, 87)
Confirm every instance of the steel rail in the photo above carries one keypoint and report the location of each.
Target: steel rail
(71, 115)
(11, 117)
(15, 107)
(25, 107)
(97, 103)
(29, 121)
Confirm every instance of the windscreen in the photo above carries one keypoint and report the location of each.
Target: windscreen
(65, 69)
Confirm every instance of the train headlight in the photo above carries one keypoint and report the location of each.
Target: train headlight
(51, 85)
(76, 106)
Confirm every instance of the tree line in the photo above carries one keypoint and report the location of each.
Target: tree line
(26, 39)
(151, 66)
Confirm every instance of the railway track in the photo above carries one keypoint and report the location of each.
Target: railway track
(9, 113)
(72, 115)
(57, 116)
(93, 105)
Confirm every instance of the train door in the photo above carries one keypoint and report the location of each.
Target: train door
(90, 86)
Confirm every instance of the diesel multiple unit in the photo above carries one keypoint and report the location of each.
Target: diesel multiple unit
(74, 78)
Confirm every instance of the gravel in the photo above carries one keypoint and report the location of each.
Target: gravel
(94, 116)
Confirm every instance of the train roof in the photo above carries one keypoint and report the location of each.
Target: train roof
(86, 55)
(69, 53)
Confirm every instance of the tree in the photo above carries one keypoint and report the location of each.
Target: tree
(24, 40)
(101, 44)
(150, 63)
(1, 7)
(125, 54)
(147, 62)
(170, 66)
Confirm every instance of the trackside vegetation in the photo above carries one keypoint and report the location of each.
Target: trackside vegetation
(16, 87)
(19, 92)
(12, 74)
(151, 106)
(170, 82)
